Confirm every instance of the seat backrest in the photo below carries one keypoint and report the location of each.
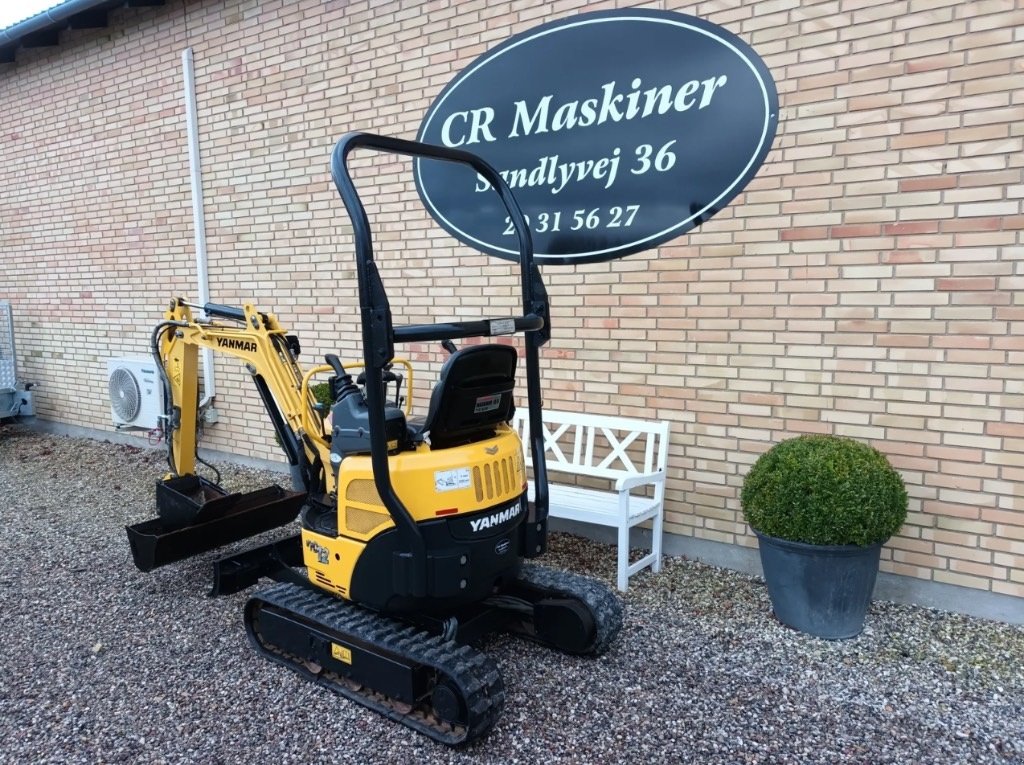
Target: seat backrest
(472, 395)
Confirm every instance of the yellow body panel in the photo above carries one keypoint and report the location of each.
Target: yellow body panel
(459, 480)
(330, 561)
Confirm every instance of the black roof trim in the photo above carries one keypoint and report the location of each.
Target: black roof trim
(45, 28)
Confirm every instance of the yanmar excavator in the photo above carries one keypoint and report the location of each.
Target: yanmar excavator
(414, 530)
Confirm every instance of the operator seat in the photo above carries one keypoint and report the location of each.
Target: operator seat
(472, 395)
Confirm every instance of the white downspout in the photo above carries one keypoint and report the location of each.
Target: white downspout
(198, 217)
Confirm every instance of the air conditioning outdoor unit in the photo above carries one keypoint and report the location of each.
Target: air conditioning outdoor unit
(136, 393)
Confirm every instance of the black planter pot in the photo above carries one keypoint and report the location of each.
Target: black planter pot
(823, 590)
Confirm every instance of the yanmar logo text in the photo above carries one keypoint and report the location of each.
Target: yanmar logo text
(239, 345)
(496, 519)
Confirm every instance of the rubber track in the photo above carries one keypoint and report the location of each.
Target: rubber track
(604, 604)
(474, 673)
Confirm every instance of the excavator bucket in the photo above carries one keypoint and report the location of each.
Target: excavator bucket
(195, 516)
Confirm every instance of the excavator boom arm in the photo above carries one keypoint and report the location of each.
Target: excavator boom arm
(195, 515)
(268, 355)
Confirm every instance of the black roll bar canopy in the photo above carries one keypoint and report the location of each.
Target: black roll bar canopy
(380, 335)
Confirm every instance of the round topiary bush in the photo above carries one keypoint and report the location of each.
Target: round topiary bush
(322, 393)
(824, 490)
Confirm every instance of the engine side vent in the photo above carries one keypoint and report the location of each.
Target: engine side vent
(364, 492)
(362, 521)
(495, 481)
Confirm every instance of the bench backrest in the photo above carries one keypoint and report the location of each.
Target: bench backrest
(598, 445)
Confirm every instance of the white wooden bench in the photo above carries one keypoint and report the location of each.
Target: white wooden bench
(610, 448)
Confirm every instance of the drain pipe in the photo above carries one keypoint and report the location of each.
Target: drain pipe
(198, 224)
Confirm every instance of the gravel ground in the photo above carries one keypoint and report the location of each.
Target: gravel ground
(101, 663)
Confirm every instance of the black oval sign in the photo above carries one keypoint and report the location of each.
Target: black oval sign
(616, 130)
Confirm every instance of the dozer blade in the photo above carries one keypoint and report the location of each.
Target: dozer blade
(228, 518)
(276, 560)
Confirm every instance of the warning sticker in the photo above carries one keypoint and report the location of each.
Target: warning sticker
(341, 653)
(503, 327)
(450, 480)
(487, 403)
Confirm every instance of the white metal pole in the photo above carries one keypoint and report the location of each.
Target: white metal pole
(198, 217)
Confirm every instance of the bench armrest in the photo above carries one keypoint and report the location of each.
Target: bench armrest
(640, 479)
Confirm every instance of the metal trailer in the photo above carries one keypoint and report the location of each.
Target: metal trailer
(15, 395)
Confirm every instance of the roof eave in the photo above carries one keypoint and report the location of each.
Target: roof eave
(44, 28)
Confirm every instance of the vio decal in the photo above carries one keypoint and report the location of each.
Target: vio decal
(322, 553)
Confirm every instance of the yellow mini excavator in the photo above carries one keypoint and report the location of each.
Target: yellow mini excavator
(414, 530)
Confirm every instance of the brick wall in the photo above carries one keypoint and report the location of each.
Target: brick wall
(866, 284)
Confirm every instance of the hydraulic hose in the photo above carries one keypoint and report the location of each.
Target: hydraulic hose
(168, 403)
